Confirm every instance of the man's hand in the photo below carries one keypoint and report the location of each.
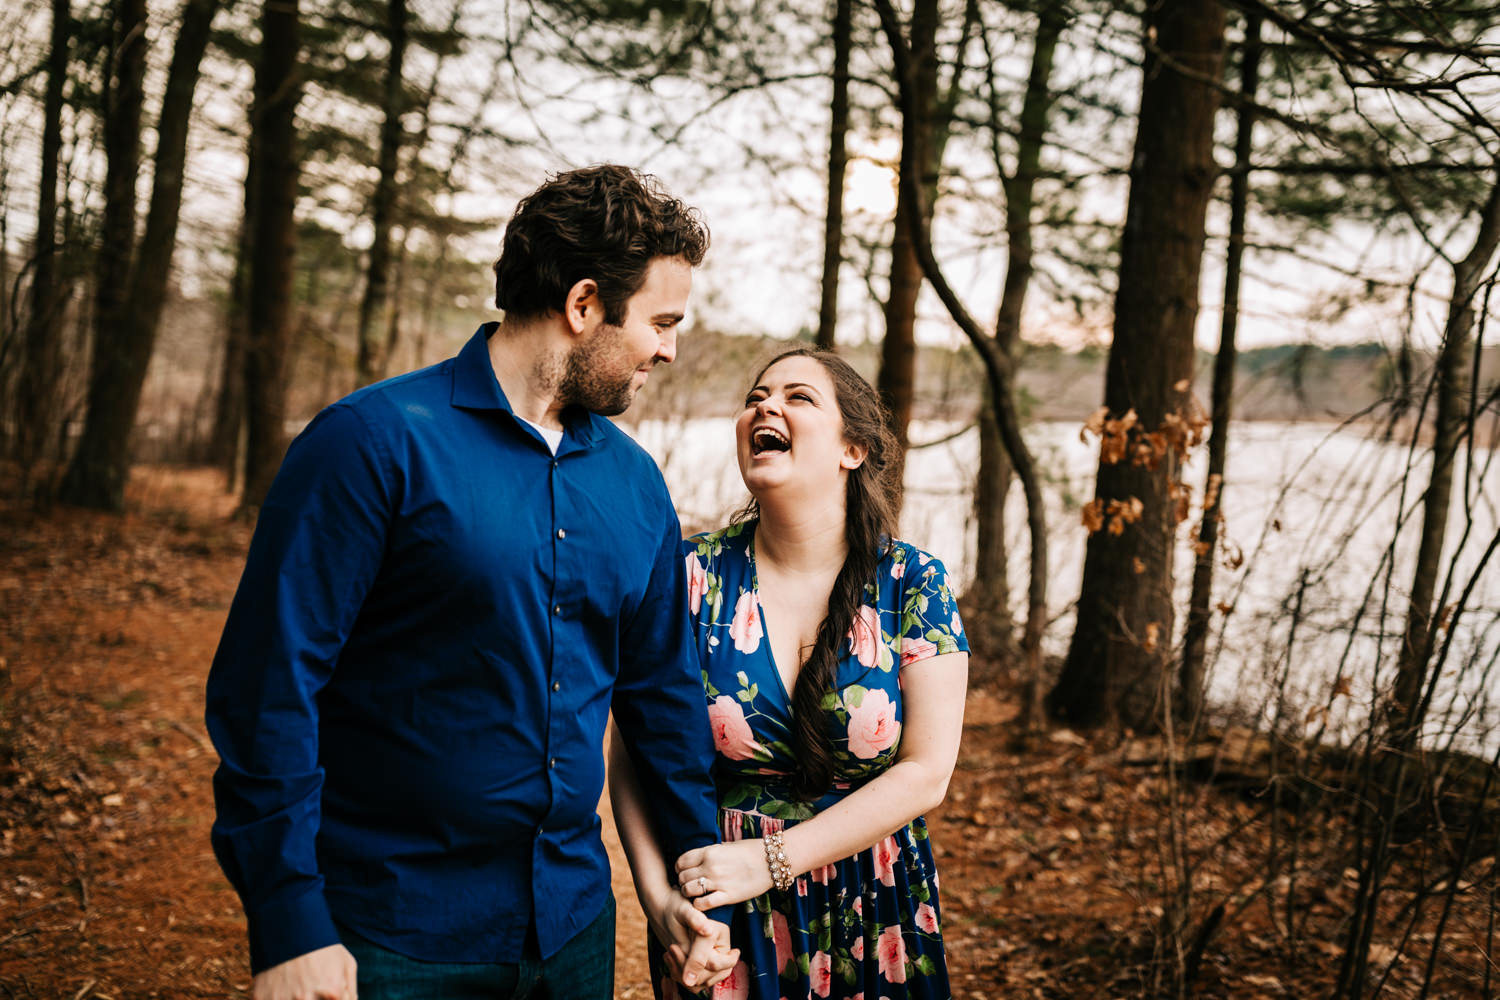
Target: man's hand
(722, 874)
(325, 974)
(698, 954)
(710, 959)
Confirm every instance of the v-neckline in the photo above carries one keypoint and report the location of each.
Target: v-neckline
(765, 631)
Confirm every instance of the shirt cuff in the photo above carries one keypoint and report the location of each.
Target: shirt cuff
(282, 930)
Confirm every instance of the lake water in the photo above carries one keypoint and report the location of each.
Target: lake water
(1312, 508)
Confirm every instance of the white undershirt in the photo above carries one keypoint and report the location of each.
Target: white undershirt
(552, 437)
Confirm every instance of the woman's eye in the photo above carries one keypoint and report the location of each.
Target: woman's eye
(802, 396)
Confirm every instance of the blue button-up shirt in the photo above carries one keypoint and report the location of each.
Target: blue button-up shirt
(436, 617)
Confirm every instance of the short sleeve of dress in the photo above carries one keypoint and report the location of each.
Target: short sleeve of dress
(930, 623)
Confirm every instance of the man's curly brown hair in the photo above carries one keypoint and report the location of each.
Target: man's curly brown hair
(604, 222)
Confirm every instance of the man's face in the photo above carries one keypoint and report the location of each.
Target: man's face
(606, 370)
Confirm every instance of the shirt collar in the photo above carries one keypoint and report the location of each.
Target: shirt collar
(476, 388)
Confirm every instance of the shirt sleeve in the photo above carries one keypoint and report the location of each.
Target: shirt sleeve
(660, 710)
(316, 550)
(930, 624)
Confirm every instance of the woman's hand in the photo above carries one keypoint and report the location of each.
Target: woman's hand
(723, 874)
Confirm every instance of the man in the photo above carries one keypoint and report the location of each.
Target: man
(456, 576)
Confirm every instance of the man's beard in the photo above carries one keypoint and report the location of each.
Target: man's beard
(590, 379)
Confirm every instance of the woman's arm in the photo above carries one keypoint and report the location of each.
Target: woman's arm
(697, 947)
(932, 692)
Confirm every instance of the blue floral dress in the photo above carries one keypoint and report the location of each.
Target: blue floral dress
(868, 926)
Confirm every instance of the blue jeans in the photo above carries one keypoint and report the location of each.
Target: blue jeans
(584, 969)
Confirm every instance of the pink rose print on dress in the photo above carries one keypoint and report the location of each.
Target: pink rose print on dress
(746, 629)
(736, 986)
(857, 949)
(872, 725)
(885, 855)
(958, 626)
(783, 938)
(820, 973)
(927, 918)
(697, 583)
(864, 636)
(891, 950)
(859, 906)
(732, 735)
(913, 650)
(821, 875)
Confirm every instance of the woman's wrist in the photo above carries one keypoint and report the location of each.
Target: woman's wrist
(778, 864)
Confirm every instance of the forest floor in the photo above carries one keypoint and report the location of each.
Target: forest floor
(1052, 853)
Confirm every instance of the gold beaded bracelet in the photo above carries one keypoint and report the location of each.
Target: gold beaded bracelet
(781, 872)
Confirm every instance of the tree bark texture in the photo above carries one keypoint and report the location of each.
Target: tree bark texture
(373, 336)
(1195, 637)
(898, 351)
(838, 161)
(122, 352)
(41, 351)
(274, 155)
(98, 471)
(1116, 663)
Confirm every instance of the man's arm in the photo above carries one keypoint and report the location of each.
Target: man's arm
(698, 953)
(316, 550)
(660, 710)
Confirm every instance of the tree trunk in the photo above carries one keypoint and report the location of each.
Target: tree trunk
(273, 141)
(226, 442)
(1116, 662)
(999, 373)
(898, 351)
(990, 595)
(122, 353)
(838, 160)
(372, 334)
(41, 354)
(100, 467)
(1195, 638)
(1454, 385)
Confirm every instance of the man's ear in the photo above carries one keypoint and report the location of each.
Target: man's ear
(854, 456)
(581, 308)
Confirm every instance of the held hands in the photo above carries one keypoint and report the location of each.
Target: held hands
(722, 874)
(698, 954)
(325, 974)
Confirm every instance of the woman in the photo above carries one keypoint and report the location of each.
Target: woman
(835, 668)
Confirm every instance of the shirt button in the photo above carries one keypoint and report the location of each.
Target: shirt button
(552, 762)
(557, 685)
(561, 533)
(557, 609)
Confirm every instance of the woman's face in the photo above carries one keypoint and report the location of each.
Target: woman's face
(791, 433)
